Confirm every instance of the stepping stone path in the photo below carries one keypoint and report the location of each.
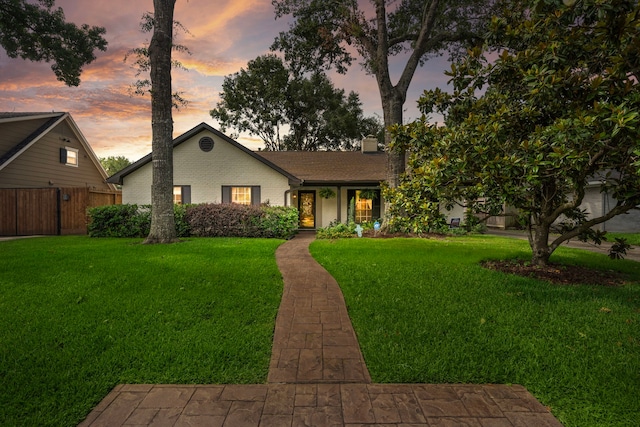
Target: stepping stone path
(317, 377)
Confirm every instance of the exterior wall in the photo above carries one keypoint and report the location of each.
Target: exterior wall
(456, 212)
(207, 172)
(328, 209)
(597, 204)
(39, 166)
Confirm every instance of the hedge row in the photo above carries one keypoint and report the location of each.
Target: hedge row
(203, 220)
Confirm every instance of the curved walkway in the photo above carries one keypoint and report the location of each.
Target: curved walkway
(317, 377)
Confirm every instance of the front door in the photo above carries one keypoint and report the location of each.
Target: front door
(307, 209)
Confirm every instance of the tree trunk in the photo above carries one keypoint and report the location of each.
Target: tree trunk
(163, 228)
(392, 103)
(539, 242)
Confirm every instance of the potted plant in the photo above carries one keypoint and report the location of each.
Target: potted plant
(327, 193)
(369, 194)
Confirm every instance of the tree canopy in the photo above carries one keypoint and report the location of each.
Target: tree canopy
(553, 111)
(334, 34)
(38, 32)
(142, 63)
(290, 111)
(114, 164)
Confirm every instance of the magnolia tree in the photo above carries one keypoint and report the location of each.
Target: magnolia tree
(531, 124)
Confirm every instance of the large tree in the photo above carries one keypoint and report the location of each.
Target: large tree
(113, 164)
(556, 109)
(289, 111)
(38, 32)
(163, 228)
(334, 33)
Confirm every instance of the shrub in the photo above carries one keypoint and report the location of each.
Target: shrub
(205, 220)
(223, 220)
(119, 221)
(233, 220)
(279, 221)
(336, 231)
(130, 221)
(182, 226)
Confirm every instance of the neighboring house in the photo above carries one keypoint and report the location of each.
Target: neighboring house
(210, 167)
(49, 175)
(595, 203)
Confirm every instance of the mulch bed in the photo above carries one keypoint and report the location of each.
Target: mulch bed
(558, 274)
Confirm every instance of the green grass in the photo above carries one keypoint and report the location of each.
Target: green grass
(426, 312)
(632, 238)
(79, 316)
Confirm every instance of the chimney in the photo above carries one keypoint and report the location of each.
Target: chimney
(369, 144)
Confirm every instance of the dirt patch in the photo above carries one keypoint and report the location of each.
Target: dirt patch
(559, 274)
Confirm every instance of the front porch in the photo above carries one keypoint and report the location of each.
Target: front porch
(321, 206)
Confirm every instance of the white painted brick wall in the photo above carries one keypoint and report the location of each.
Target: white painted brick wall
(207, 172)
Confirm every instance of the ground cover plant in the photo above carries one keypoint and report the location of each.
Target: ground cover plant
(426, 311)
(79, 316)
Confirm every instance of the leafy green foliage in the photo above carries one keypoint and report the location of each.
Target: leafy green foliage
(79, 316)
(268, 97)
(142, 63)
(234, 220)
(337, 231)
(280, 222)
(38, 32)
(619, 249)
(118, 221)
(554, 110)
(114, 164)
(205, 220)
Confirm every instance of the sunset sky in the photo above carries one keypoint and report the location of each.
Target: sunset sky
(225, 35)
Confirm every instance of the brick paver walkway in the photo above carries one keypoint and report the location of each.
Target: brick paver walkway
(317, 377)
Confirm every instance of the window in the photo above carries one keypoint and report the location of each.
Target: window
(241, 195)
(181, 194)
(245, 195)
(364, 209)
(69, 156)
(366, 205)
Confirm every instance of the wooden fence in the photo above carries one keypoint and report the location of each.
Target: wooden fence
(49, 211)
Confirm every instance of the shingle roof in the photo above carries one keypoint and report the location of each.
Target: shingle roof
(330, 167)
(13, 115)
(300, 167)
(5, 157)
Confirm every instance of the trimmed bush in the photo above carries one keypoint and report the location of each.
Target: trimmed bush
(279, 221)
(204, 220)
(233, 220)
(224, 220)
(119, 221)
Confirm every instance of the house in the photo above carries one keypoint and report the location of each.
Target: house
(595, 203)
(49, 175)
(210, 167)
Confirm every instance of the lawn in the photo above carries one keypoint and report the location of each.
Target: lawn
(426, 312)
(632, 238)
(80, 315)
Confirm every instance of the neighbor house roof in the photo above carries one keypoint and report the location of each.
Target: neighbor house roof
(117, 177)
(15, 151)
(331, 167)
(52, 119)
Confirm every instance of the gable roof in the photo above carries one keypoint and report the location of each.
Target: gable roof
(331, 167)
(117, 177)
(54, 119)
(20, 147)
